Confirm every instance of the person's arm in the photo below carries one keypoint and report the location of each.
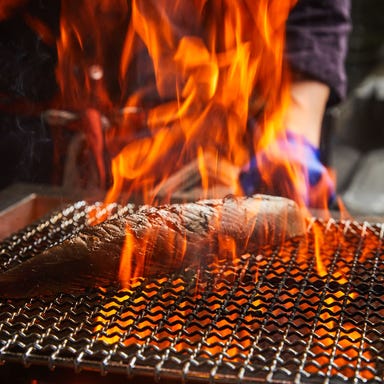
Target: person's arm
(305, 114)
(316, 47)
(317, 40)
(317, 36)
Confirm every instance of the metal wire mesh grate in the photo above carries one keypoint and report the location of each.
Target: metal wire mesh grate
(310, 310)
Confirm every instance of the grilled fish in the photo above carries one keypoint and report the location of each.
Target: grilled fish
(154, 240)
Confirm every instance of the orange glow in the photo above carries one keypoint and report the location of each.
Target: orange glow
(211, 76)
(41, 29)
(203, 170)
(213, 89)
(210, 72)
(126, 258)
(207, 80)
(9, 7)
(340, 340)
(165, 87)
(318, 243)
(335, 338)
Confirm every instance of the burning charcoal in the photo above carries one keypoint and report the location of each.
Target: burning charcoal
(155, 240)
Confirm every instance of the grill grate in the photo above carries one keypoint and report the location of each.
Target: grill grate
(271, 316)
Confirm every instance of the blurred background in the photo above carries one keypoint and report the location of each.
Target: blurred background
(353, 137)
(355, 129)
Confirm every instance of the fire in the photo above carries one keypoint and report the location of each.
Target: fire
(337, 339)
(215, 90)
(218, 89)
(209, 78)
(166, 87)
(194, 89)
(211, 93)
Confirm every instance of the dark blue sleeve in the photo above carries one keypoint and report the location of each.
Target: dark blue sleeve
(317, 42)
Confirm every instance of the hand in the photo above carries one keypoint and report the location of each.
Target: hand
(290, 167)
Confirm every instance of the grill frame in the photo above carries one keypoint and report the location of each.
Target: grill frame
(208, 301)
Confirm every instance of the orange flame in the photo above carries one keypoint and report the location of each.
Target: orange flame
(209, 70)
(209, 76)
(213, 68)
(205, 72)
(208, 73)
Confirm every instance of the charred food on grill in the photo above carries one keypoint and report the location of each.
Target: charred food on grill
(161, 239)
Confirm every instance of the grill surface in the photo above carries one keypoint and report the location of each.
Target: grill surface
(271, 316)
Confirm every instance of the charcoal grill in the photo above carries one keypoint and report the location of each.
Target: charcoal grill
(271, 316)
